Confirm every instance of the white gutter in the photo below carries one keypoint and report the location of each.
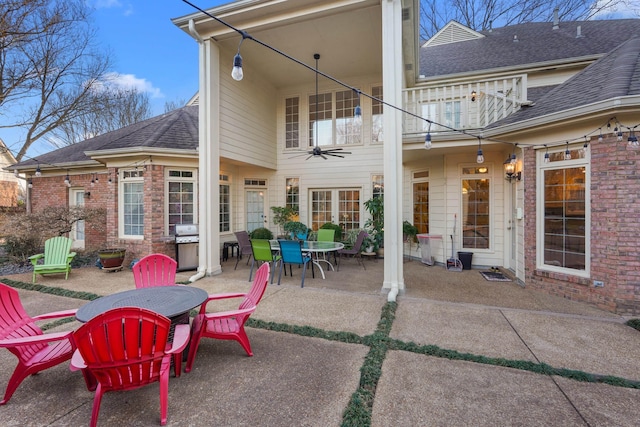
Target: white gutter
(194, 33)
(199, 275)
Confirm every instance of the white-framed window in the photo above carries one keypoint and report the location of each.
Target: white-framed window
(420, 189)
(293, 194)
(377, 128)
(563, 206)
(292, 122)
(181, 197)
(340, 206)
(131, 204)
(331, 119)
(476, 201)
(377, 183)
(225, 204)
(445, 115)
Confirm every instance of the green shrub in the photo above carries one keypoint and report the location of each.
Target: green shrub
(261, 233)
(336, 228)
(634, 323)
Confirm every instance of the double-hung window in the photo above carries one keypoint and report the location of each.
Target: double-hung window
(181, 198)
(131, 207)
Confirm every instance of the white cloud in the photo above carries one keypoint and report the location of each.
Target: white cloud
(106, 4)
(129, 81)
(617, 10)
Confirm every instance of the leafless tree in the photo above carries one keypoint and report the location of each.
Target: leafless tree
(174, 105)
(107, 109)
(49, 65)
(485, 14)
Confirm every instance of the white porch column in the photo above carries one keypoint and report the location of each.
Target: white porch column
(209, 158)
(392, 89)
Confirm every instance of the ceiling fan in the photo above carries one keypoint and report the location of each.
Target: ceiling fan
(317, 151)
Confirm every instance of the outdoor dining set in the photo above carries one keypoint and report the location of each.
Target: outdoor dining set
(128, 339)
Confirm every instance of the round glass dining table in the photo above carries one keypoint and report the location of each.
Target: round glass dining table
(315, 248)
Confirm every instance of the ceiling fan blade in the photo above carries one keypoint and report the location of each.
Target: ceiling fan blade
(323, 156)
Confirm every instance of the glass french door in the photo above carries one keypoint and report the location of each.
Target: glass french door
(340, 206)
(254, 202)
(76, 198)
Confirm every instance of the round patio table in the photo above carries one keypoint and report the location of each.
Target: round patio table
(170, 301)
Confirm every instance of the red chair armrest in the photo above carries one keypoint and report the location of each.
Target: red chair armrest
(181, 337)
(35, 339)
(77, 362)
(231, 313)
(214, 297)
(55, 314)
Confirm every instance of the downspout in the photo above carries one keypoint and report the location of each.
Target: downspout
(202, 270)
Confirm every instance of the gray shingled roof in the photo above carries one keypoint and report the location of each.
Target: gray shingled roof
(614, 75)
(177, 129)
(537, 42)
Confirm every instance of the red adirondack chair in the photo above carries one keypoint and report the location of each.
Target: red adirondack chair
(155, 270)
(126, 348)
(228, 325)
(20, 335)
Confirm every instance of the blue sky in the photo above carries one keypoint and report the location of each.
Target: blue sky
(149, 53)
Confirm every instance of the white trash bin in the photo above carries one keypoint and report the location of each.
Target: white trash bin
(425, 247)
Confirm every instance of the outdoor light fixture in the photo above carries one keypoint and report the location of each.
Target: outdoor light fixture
(30, 184)
(38, 171)
(510, 171)
(480, 157)
(357, 111)
(67, 181)
(427, 139)
(473, 96)
(567, 153)
(600, 137)
(632, 140)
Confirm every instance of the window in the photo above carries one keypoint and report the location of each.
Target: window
(181, 200)
(293, 194)
(564, 211)
(324, 130)
(475, 208)
(132, 205)
(378, 185)
(445, 115)
(377, 134)
(421, 201)
(225, 204)
(344, 204)
(292, 122)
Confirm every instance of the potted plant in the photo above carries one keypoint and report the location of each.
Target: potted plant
(282, 215)
(111, 258)
(297, 230)
(261, 233)
(409, 231)
(375, 224)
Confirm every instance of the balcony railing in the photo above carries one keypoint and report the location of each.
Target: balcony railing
(464, 106)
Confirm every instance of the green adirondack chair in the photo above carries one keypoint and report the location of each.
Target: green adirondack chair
(56, 258)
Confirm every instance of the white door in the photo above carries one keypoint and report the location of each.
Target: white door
(256, 217)
(76, 198)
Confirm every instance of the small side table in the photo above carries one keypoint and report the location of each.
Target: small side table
(370, 255)
(225, 250)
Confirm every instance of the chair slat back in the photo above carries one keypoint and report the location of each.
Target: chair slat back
(56, 250)
(326, 235)
(244, 242)
(155, 270)
(124, 347)
(16, 323)
(359, 240)
(291, 251)
(261, 250)
(256, 292)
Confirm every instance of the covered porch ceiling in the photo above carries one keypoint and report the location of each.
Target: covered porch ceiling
(346, 33)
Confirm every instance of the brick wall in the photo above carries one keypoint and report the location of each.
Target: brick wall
(615, 231)
(51, 191)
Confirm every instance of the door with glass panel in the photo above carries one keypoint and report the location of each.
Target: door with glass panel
(256, 217)
(76, 198)
(340, 206)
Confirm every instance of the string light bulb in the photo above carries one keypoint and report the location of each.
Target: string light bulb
(30, 184)
(480, 156)
(567, 153)
(600, 137)
(547, 159)
(236, 73)
(67, 181)
(427, 139)
(38, 171)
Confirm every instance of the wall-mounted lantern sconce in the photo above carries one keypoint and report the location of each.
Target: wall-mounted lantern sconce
(510, 171)
(87, 194)
(473, 96)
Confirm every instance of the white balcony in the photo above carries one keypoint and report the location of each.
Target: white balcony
(464, 106)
